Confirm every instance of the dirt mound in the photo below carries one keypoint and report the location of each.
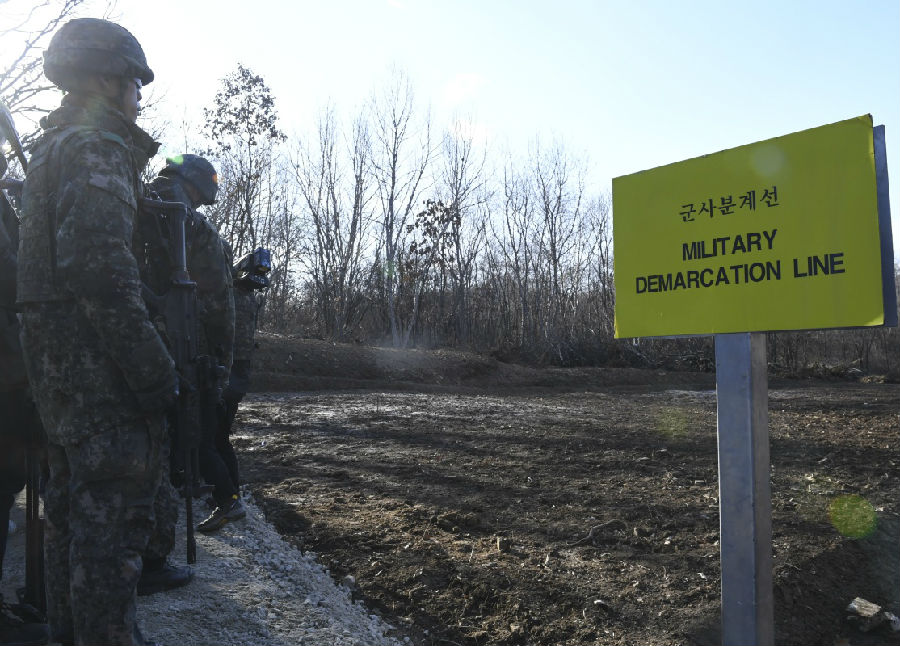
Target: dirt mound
(288, 364)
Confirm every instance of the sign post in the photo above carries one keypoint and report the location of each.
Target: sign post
(745, 509)
(792, 233)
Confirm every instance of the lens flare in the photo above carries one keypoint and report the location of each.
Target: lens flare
(673, 421)
(853, 516)
(768, 160)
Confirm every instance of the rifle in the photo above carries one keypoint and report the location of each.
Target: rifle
(34, 594)
(9, 133)
(11, 185)
(197, 385)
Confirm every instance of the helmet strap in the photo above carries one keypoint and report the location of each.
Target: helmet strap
(93, 87)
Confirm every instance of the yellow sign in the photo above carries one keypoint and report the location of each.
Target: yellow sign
(777, 235)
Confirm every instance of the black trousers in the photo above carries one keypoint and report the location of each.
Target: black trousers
(227, 410)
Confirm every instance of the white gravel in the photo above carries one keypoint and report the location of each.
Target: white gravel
(249, 587)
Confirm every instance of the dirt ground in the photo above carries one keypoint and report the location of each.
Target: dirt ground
(474, 502)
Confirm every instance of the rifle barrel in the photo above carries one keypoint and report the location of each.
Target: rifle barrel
(10, 184)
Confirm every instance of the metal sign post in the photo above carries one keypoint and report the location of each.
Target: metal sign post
(790, 233)
(745, 505)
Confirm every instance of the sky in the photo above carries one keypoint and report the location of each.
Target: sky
(627, 84)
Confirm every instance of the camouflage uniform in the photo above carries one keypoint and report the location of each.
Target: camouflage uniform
(20, 430)
(206, 267)
(100, 372)
(210, 269)
(14, 403)
(246, 313)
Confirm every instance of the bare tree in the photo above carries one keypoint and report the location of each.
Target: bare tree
(401, 154)
(334, 184)
(463, 187)
(558, 191)
(278, 230)
(514, 234)
(602, 311)
(22, 81)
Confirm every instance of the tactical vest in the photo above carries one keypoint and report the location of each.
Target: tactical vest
(37, 280)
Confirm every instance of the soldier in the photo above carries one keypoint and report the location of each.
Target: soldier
(101, 375)
(192, 180)
(16, 411)
(249, 276)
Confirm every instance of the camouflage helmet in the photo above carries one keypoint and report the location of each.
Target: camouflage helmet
(196, 170)
(94, 46)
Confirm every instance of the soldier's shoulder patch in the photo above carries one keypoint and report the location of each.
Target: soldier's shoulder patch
(106, 135)
(108, 166)
(87, 136)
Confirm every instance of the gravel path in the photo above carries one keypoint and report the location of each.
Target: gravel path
(250, 587)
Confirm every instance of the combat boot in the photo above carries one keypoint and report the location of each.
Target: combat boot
(232, 510)
(159, 575)
(236, 511)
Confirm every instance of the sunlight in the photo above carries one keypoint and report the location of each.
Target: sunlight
(476, 131)
(461, 88)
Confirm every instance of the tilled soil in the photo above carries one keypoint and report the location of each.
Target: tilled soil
(576, 515)
(469, 502)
